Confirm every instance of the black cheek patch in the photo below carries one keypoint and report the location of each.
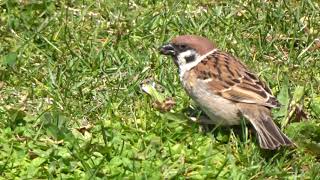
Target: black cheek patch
(190, 58)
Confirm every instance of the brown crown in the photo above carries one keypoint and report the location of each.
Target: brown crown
(200, 44)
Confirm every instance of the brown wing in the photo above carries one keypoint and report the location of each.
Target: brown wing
(228, 77)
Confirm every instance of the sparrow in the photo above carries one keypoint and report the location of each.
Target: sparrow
(224, 88)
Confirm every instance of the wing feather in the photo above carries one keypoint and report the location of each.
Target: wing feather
(232, 80)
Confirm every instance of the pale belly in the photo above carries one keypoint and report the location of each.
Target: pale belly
(221, 111)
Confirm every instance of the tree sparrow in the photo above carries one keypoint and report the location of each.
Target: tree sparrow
(224, 88)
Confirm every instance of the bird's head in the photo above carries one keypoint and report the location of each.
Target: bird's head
(187, 49)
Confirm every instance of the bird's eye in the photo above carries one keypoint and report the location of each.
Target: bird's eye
(183, 46)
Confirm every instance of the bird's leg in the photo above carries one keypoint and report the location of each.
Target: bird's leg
(205, 124)
(201, 120)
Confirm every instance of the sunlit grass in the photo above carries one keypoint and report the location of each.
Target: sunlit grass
(71, 105)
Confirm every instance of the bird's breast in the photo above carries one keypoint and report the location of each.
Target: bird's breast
(220, 110)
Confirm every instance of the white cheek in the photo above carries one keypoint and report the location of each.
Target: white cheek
(182, 57)
(184, 66)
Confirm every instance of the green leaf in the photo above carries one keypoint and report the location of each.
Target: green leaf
(37, 161)
(284, 100)
(10, 59)
(308, 131)
(283, 96)
(296, 111)
(175, 116)
(306, 134)
(17, 117)
(298, 94)
(315, 105)
(116, 161)
(151, 90)
(34, 166)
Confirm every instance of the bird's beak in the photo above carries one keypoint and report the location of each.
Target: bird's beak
(167, 49)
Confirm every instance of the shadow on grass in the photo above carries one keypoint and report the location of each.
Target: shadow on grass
(242, 132)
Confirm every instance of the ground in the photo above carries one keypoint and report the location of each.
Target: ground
(71, 102)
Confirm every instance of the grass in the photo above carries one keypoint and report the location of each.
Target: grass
(71, 105)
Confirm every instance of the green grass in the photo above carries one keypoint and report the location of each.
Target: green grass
(71, 105)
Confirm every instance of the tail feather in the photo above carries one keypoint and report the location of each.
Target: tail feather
(269, 134)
